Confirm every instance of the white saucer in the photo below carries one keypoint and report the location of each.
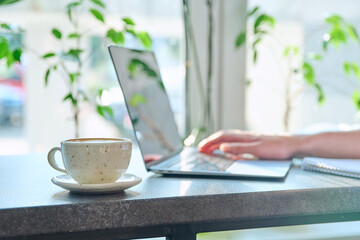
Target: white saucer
(126, 181)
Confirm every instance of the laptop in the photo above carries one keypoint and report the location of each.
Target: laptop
(156, 131)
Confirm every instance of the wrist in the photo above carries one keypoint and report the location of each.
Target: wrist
(301, 145)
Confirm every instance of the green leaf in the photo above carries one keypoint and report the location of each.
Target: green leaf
(161, 85)
(258, 21)
(99, 109)
(308, 73)
(111, 33)
(100, 92)
(296, 50)
(70, 97)
(321, 95)
(69, 13)
(74, 35)
(145, 39)
(116, 37)
(4, 48)
(131, 31)
(10, 60)
(352, 67)
(253, 11)
(105, 110)
(56, 33)
(269, 20)
(356, 99)
(99, 3)
(120, 38)
(240, 39)
(356, 70)
(315, 56)
(128, 21)
(7, 2)
(286, 51)
(136, 100)
(48, 55)
(255, 56)
(74, 53)
(47, 74)
(347, 67)
(17, 54)
(5, 26)
(70, 7)
(108, 110)
(98, 15)
(74, 76)
(256, 42)
(337, 36)
(290, 49)
(334, 19)
(263, 19)
(351, 31)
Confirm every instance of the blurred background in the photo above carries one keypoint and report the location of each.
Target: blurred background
(246, 95)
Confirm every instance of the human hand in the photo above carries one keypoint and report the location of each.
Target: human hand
(237, 144)
(151, 157)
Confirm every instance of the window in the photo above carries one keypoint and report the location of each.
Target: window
(302, 24)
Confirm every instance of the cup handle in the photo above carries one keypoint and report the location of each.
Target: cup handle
(52, 161)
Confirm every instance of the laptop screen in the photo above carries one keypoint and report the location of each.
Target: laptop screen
(147, 102)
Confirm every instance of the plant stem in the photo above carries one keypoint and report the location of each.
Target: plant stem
(288, 98)
(193, 47)
(187, 65)
(76, 85)
(76, 119)
(209, 119)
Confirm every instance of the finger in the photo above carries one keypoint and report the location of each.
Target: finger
(241, 156)
(209, 148)
(215, 140)
(233, 157)
(248, 156)
(240, 148)
(229, 156)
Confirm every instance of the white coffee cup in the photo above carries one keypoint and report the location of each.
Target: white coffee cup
(93, 160)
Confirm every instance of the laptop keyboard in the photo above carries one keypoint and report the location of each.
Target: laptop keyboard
(199, 162)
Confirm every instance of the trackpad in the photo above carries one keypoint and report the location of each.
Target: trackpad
(260, 168)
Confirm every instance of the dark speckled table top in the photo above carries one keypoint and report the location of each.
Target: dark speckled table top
(30, 205)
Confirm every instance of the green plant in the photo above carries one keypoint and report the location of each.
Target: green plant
(9, 50)
(337, 33)
(69, 61)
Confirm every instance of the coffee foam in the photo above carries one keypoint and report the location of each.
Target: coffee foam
(96, 140)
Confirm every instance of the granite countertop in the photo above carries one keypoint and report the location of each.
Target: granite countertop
(30, 205)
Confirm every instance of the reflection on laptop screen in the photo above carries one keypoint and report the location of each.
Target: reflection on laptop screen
(147, 102)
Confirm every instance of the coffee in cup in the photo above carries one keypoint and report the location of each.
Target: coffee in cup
(93, 160)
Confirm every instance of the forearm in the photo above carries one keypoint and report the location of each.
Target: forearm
(328, 145)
